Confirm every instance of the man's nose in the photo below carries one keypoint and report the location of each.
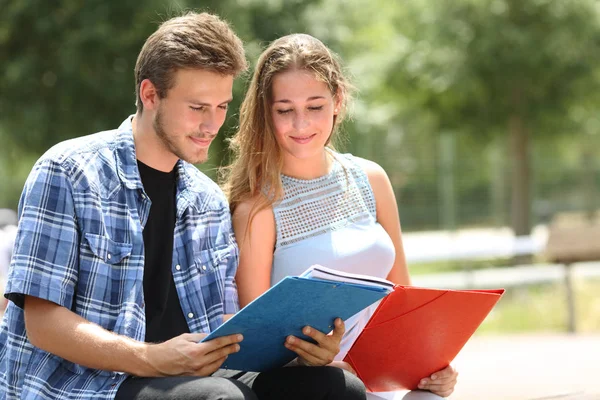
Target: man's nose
(211, 123)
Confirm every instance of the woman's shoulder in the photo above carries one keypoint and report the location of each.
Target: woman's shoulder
(247, 209)
(374, 171)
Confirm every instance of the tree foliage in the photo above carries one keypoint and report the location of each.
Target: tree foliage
(487, 72)
(484, 68)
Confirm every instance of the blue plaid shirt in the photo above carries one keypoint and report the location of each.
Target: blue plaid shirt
(80, 245)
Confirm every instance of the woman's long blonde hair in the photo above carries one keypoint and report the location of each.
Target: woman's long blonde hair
(257, 162)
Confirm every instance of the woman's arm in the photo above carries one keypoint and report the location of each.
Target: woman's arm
(257, 243)
(441, 382)
(388, 217)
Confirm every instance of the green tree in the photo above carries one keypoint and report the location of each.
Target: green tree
(491, 67)
(67, 68)
(67, 71)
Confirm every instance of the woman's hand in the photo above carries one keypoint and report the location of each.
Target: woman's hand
(322, 353)
(441, 383)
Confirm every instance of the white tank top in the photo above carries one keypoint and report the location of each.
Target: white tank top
(331, 221)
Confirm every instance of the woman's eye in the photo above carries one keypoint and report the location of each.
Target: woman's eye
(316, 108)
(284, 111)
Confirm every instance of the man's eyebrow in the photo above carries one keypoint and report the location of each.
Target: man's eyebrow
(201, 103)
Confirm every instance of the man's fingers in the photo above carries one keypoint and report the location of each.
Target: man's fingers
(194, 337)
(203, 361)
(219, 353)
(222, 341)
(208, 369)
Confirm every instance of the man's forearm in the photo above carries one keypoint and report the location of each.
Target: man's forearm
(59, 331)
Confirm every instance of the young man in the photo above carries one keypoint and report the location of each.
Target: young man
(125, 258)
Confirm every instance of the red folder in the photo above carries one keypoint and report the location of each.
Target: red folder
(415, 332)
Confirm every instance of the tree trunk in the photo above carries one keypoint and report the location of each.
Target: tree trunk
(499, 182)
(589, 179)
(446, 186)
(520, 173)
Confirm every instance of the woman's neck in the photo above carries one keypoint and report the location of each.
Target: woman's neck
(308, 168)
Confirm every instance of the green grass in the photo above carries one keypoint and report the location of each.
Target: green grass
(455, 266)
(588, 302)
(536, 308)
(543, 308)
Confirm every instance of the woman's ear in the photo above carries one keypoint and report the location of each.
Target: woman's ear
(338, 100)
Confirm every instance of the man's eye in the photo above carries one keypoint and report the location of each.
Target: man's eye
(197, 108)
(224, 107)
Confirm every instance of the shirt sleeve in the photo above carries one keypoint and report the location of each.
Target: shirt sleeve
(45, 258)
(232, 303)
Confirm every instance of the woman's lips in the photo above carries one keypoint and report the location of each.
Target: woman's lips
(303, 139)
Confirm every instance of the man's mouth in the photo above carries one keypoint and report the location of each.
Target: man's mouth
(202, 141)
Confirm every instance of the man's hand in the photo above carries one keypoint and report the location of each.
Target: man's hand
(441, 383)
(184, 355)
(322, 353)
(60, 331)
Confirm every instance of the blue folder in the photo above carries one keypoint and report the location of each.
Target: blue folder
(284, 310)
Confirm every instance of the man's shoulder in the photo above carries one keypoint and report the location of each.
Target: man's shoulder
(87, 162)
(77, 152)
(208, 191)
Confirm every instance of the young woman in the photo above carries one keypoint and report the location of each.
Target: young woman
(295, 200)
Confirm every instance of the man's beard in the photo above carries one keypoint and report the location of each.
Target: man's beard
(159, 128)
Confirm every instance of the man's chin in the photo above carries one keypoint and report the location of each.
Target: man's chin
(196, 159)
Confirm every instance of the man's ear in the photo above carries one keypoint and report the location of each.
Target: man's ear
(149, 95)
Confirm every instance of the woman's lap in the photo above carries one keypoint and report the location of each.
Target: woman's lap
(404, 395)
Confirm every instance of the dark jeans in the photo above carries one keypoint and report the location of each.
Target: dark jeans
(290, 383)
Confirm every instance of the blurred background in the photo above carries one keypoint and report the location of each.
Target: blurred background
(483, 113)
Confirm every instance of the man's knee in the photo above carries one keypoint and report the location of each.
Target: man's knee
(184, 388)
(226, 389)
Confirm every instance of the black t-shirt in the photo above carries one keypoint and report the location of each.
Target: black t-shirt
(164, 317)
